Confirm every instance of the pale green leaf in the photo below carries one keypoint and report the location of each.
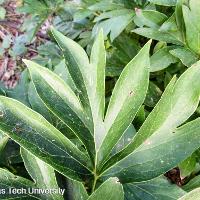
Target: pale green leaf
(164, 2)
(105, 6)
(3, 141)
(193, 195)
(125, 139)
(179, 17)
(39, 106)
(192, 31)
(62, 71)
(170, 26)
(162, 59)
(113, 25)
(81, 14)
(187, 57)
(177, 104)
(111, 14)
(159, 35)
(150, 18)
(98, 62)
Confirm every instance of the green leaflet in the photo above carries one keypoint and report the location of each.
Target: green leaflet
(127, 97)
(150, 18)
(105, 5)
(110, 189)
(164, 2)
(8, 180)
(193, 195)
(82, 14)
(114, 25)
(177, 103)
(158, 189)
(76, 190)
(62, 71)
(195, 12)
(63, 102)
(158, 35)
(3, 141)
(187, 57)
(20, 92)
(35, 134)
(153, 95)
(179, 17)
(162, 59)
(79, 67)
(42, 174)
(112, 13)
(170, 26)
(125, 139)
(192, 26)
(98, 62)
(192, 184)
(38, 105)
(175, 147)
(188, 166)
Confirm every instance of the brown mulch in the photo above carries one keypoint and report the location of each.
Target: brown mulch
(9, 67)
(174, 176)
(9, 26)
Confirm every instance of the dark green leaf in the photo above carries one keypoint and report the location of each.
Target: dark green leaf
(63, 102)
(8, 181)
(110, 189)
(155, 189)
(38, 136)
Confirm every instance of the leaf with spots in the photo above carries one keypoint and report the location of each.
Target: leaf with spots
(39, 137)
(127, 97)
(178, 102)
(39, 106)
(62, 101)
(155, 189)
(158, 154)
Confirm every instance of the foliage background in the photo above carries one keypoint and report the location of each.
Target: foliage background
(127, 26)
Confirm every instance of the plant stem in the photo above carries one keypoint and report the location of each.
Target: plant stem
(94, 183)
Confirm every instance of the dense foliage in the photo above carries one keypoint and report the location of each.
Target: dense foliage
(107, 104)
